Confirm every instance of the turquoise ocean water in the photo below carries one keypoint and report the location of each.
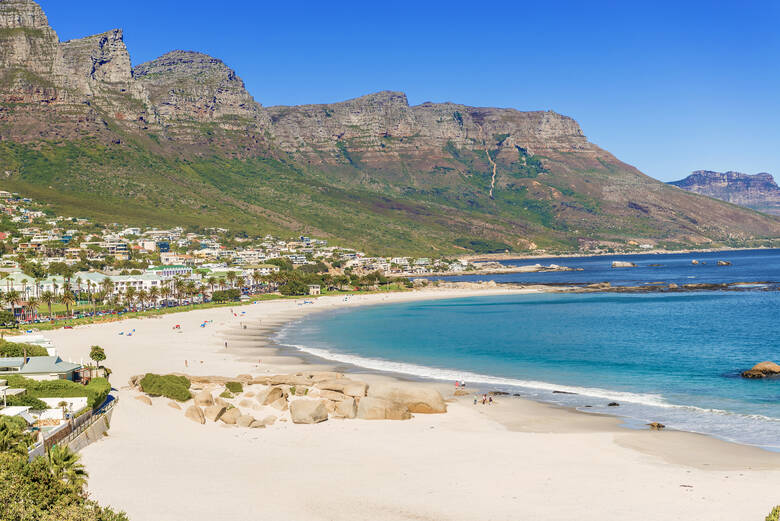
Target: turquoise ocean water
(673, 358)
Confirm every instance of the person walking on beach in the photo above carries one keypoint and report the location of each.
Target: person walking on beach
(475, 400)
(490, 401)
(484, 399)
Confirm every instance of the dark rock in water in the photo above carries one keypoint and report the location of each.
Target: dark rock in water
(613, 404)
(655, 265)
(588, 406)
(498, 393)
(562, 392)
(724, 263)
(655, 426)
(517, 394)
(763, 370)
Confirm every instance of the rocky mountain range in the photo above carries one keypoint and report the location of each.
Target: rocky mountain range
(180, 140)
(758, 191)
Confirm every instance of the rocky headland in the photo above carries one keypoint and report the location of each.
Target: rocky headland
(758, 191)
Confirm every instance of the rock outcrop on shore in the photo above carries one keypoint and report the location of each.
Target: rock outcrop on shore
(310, 398)
(763, 370)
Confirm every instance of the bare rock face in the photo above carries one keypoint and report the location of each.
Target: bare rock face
(372, 408)
(763, 370)
(308, 411)
(32, 69)
(144, 399)
(191, 86)
(195, 414)
(231, 416)
(382, 126)
(759, 192)
(415, 398)
(214, 412)
(346, 409)
(204, 398)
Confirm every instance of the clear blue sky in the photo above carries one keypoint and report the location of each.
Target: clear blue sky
(667, 87)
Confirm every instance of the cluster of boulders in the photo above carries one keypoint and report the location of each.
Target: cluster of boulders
(308, 397)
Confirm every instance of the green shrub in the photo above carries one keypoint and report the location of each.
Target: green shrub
(227, 295)
(234, 387)
(10, 349)
(25, 400)
(96, 391)
(226, 394)
(170, 385)
(774, 515)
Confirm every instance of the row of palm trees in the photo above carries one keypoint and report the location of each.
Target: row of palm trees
(103, 294)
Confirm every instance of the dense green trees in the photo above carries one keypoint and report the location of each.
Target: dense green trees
(47, 489)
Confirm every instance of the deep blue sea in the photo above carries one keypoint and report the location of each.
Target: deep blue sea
(673, 357)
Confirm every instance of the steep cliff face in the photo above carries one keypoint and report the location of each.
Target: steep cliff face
(179, 139)
(31, 64)
(758, 191)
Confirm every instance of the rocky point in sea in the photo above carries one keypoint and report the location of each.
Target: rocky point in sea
(763, 370)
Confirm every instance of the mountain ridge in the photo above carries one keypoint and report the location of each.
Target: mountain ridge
(180, 139)
(757, 191)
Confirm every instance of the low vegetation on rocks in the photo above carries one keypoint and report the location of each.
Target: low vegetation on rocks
(774, 515)
(234, 387)
(171, 386)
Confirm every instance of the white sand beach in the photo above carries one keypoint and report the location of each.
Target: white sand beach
(515, 460)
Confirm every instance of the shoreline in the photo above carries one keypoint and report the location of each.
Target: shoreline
(388, 470)
(497, 257)
(619, 423)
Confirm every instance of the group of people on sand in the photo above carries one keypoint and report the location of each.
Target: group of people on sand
(486, 400)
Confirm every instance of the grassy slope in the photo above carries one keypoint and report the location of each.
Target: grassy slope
(128, 183)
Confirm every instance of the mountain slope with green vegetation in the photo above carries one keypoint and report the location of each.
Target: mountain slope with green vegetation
(179, 141)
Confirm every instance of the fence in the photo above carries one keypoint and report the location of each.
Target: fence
(86, 424)
(71, 430)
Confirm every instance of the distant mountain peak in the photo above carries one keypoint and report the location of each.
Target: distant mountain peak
(757, 191)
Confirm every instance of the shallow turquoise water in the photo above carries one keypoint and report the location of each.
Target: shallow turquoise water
(673, 358)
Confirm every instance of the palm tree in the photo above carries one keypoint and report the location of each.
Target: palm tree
(130, 294)
(38, 281)
(154, 295)
(231, 277)
(48, 298)
(143, 296)
(65, 465)
(31, 307)
(68, 299)
(107, 285)
(165, 293)
(12, 440)
(12, 297)
(192, 289)
(212, 281)
(256, 278)
(179, 287)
